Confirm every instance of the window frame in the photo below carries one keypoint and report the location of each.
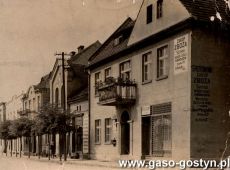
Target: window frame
(96, 82)
(149, 14)
(121, 72)
(159, 10)
(97, 138)
(110, 74)
(165, 59)
(108, 126)
(147, 63)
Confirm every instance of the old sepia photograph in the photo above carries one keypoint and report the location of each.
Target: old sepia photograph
(114, 84)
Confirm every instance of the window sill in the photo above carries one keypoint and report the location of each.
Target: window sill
(146, 82)
(97, 143)
(161, 78)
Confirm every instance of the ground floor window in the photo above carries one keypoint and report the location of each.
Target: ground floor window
(97, 131)
(157, 131)
(108, 130)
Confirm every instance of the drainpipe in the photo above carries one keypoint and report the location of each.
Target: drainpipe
(89, 112)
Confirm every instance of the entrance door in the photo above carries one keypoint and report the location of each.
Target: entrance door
(125, 133)
(145, 135)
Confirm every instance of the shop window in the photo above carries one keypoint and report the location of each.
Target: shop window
(161, 130)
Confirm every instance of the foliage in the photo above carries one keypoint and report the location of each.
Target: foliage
(52, 119)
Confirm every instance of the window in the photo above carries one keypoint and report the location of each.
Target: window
(125, 70)
(38, 103)
(159, 8)
(33, 104)
(162, 62)
(161, 129)
(118, 40)
(146, 67)
(149, 14)
(98, 131)
(107, 73)
(108, 130)
(97, 80)
(30, 104)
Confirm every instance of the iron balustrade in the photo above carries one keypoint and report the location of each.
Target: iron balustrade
(117, 91)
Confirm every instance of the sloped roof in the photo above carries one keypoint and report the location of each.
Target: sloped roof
(81, 95)
(200, 10)
(108, 48)
(83, 57)
(44, 83)
(204, 9)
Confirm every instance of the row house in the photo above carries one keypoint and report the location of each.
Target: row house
(2, 119)
(159, 85)
(13, 108)
(76, 81)
(35, 97)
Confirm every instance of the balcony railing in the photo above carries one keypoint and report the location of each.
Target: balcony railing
(24, 112)
(114, 92)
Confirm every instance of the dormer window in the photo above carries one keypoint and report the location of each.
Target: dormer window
(118, 40)
(159, 8)
(149, 15)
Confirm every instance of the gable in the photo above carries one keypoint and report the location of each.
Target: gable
(173, 12)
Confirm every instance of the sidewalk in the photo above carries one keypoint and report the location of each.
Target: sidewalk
(79, 162)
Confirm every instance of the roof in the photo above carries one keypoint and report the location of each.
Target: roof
(81, 95)
(200, 10)
(204, 9)
(108, 48)
(85, 54)
(44, 83)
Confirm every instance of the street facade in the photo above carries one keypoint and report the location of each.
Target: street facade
(157, 88)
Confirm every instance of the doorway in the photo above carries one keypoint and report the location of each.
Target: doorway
(146, 136)
(125, 133)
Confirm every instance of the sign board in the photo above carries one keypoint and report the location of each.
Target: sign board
(181, 54)
(145, 110)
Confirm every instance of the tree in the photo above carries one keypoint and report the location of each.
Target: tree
(4, 129)
(52, 120)
(6, 134)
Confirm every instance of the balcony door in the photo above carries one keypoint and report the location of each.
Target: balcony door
(125, 133)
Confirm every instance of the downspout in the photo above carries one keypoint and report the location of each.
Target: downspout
(89, 113)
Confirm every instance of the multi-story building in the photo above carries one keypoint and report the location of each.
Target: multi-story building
(76, 81)
(36, 97)
(13, 108)
(159, 84)
(2, 119)
(2, 112)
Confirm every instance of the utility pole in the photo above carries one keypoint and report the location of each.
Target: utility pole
(64, 97)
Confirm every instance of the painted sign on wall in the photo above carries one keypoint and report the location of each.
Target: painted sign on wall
(181, 54)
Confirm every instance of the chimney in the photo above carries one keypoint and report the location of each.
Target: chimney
(80, 48)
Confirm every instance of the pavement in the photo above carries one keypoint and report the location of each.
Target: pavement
(88, 164)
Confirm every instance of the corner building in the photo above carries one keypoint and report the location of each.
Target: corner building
(158, 85)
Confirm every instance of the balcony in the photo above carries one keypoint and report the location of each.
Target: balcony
(24, 112)
(114, 92)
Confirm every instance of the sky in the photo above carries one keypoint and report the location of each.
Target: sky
(32, 31)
